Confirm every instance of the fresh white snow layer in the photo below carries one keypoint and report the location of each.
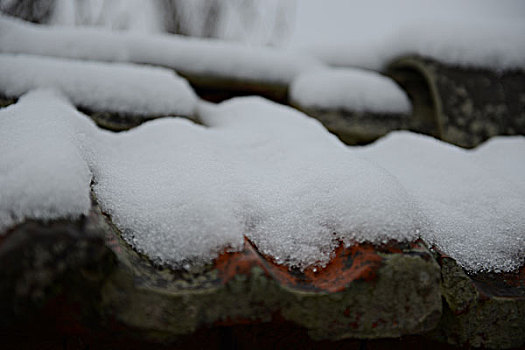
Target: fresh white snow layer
(471, 211)
(123, 88)
(179, 190)
(505, 157)
(481, 33)
(349, 89)
(496, 45)
(182, 192)
(369, 55)
(185, 55)
(43, 173)
(492, 44)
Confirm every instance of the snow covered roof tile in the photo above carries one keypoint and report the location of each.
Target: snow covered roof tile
(189, 56)
(349, 89)
(179, 191)
(110, 87)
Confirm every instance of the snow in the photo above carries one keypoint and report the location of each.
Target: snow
(202, 57)
(182, 192)
(367, 55)
(43, 174)
(488, 44)
(123, 88)
(350, 90)
(471, 212)
(505, 157)
(480, 33)
(340, 22)
(261, 170)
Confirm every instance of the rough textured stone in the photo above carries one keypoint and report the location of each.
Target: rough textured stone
(484, 310)
(6, 101)
(42, 263)
(82, 275)
(365, 292)
(85, 277)
(464, 106)
(119, 121)
(220, 88)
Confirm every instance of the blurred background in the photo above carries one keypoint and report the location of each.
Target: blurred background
(259, 22)
(295, 23)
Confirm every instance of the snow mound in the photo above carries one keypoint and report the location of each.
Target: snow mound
(43, 173)
(349, 89)
(492, 44)
(179, 190)
(123, 88)
(505, 157)
(182, 192)
(202, 57)
(472, 212)
(489, 44)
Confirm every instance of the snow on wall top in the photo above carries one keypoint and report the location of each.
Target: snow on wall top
(490, 44)
(349, 89)
(259, 169)
(471, 211)
(43, 173)
(180, 191)
(505, 157)
(124, 88)
(496, 45)
(186, 55)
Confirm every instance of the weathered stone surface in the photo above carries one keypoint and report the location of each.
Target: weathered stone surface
(6, 101)
(366, 292)
(219, 88)
(464, 106)
(42, 263)
(119, 121)
(484, 310)
(85, 278)
(357, 127)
